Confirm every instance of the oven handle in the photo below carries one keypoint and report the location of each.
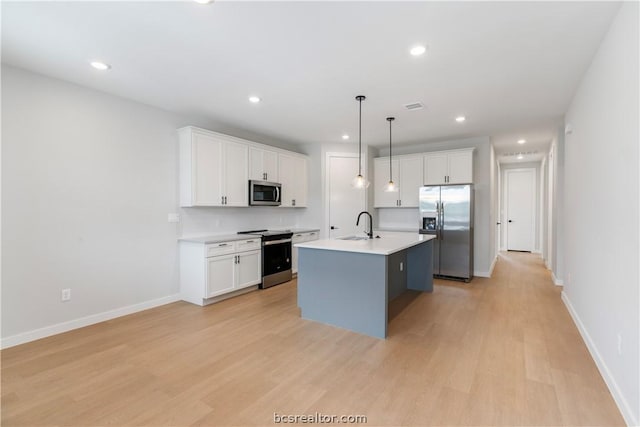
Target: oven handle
(276, 242)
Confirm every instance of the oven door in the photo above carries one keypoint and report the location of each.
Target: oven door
(276, 262)
(263, 193)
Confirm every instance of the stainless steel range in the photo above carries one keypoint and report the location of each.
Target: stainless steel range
(276, 256)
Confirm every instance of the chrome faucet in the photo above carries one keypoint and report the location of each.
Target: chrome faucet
(370, 233)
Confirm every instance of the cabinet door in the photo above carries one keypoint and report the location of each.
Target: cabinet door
(248, 269)
(301, 182)
(256, 164)
(460, 167)
(207, 170)
(236, 174)
(286, 171)
(435, 169)
(297, 238)
(270, 165)
(220, 275)
(411, 176)
(382, 199)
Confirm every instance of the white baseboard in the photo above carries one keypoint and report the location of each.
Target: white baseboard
(59, 328)
(493, 265)
(622, 403)
(556, 281)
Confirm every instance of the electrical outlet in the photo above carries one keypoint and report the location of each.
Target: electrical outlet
(65, 295)
(401, 266)
(173, 217)
(619, 344)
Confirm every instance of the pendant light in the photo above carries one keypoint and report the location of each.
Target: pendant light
(390, 187)
(359, 181)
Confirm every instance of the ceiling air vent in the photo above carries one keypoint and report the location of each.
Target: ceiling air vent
(414, 106)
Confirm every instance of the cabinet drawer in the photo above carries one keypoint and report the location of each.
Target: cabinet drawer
(222, 248)
(248, 245)
(299, 237)
(312, 236)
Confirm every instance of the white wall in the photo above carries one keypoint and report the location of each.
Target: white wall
(537, 219)
(601, 210)
(87, 182)
(484, 231)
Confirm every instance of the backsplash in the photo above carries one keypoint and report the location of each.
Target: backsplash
(394, 218)
(203, 220)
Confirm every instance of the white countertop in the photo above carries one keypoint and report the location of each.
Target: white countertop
(217, 238)
(387, 244)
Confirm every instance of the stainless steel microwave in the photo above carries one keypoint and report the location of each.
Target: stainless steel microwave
(264, 193)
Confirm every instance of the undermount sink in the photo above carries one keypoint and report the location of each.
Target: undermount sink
(353, 238)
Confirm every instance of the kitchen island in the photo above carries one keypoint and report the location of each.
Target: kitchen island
(349, 283)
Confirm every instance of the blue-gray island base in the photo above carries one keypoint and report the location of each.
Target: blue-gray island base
(352, 290)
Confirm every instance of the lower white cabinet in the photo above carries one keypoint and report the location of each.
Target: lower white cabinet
(299, 238)
(215, 269)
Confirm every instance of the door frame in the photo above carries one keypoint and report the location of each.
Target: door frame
(327, 187)
(533, 200)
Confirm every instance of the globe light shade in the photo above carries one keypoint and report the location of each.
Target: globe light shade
(390, 187)
(359, 182)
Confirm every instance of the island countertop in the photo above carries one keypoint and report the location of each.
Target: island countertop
(388, 243)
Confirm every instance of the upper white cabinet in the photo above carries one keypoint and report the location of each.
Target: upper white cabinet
(292, 171)
(263, 165)
(213, 171)
(406, 174)
(450, 167)
(381, 198)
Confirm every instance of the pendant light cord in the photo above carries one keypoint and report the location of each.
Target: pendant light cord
(390, 119)
(360, 98)
(390, 174)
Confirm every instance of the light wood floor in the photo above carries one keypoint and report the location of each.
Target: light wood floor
(500, 351)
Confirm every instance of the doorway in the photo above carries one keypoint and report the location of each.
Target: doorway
(520, 202)
(343, 202)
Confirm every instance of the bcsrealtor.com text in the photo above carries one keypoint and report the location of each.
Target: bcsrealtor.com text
(318, 418)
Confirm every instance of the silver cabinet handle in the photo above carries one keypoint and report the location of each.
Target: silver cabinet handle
(222, 244)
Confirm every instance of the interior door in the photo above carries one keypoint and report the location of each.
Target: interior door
(344, 202)
(520, 209)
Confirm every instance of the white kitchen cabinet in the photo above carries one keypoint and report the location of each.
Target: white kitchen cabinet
(248, 269)
(292, 171)
(214, 271)
(406, 174)
(220, 275)
(299, 238)
(263, 165)
(448, 167)
(213, 170)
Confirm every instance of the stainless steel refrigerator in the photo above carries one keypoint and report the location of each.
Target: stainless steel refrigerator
(446, 211)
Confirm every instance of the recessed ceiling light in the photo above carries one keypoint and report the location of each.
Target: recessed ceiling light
(100, 65)
(522, 141)
(460, 119)
(418, 50)
(203, 1)
(520, 157)
(345, 136)
(254, 99)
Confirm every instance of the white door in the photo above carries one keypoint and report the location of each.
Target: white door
(381, 198)
(287, 174)
(248, 269)
(236, 174)
(300, 189)
(521, 206)
(207, 155)
(344, 202)
(270, 165)
(410, 181)
(435, 169)
(256, 164)
(460, 168)
(220, 275)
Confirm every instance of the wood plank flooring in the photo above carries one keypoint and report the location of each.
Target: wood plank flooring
(499, 351)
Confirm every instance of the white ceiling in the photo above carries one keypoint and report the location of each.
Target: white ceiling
(510, 67)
